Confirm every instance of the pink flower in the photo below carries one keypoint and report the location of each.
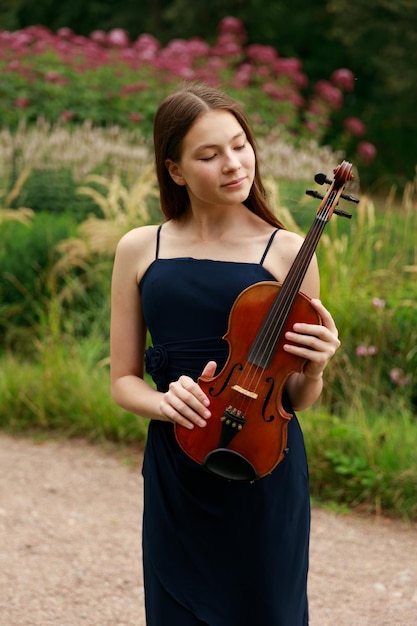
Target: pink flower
(355, 126)
(242, 77)
(344, 79)
(118, 37)
(330, 94)
(366, 350)
(147, 45)
(80, 40)
(234, 26)
(22, 103)
(52, 77)
(272, 90)
(133, 88)
(398, 378)
(98, 36)
(67, 116)
(291, 68)
(13, 66)
(198, 47)
(135, 117)
(226, 45)
(311, 126)
(20, 39)
(288, 66)
(261, 54)
(378, 303)
(361, 351)
(366, 152)
(65, 32)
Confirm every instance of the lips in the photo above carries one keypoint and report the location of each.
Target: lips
(235, 183)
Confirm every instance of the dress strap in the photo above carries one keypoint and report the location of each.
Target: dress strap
(271, 239)
(157, 241)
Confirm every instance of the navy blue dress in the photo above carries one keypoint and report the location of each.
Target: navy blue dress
(215, 552)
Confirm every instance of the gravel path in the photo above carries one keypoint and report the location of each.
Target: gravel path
(70, 554)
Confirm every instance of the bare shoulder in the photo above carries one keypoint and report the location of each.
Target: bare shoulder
(287, 245)
(136, 250)
(282, 255)
(141, 236)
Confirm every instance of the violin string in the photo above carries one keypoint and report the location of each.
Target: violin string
(268, 336)
(293, 284)
(253, 375)
(273, 321)
(273, 324)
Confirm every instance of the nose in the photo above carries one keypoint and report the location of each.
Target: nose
(231, 162)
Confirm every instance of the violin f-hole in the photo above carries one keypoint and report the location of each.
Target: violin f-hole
(271, 418)
(226, 381)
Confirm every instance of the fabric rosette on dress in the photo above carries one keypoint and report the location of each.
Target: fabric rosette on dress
(156, 365)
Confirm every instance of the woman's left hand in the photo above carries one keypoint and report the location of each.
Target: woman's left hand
(315, 342)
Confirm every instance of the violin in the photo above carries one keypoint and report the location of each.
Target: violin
(246, 435)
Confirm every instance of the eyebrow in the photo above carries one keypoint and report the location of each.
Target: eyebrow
(213, 145)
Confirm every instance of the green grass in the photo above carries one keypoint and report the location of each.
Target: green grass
(64, 391)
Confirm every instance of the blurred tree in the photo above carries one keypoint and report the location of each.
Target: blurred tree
(379, 39)
(82, 16)
(8, 14)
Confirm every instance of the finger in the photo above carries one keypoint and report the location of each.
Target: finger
(320, 343)
(308, 339)
(191, 399)
(209, 369)
(182, 414)
(185, 403)
(311, 334)
(319, 357)
(325, 315)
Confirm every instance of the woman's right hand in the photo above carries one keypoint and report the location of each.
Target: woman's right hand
(185, 403)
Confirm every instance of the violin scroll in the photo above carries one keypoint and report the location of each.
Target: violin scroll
(342, 175)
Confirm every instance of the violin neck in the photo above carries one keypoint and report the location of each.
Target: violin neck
(266, 340)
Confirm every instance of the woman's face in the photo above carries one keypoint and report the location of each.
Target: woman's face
(217, 163)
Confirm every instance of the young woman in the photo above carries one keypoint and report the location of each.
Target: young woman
(216, 552)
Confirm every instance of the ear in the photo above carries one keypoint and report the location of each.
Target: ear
(175, 172)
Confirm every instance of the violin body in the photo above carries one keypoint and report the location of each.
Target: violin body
(249, 393)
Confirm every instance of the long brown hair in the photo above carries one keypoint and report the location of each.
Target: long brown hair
(173, 119)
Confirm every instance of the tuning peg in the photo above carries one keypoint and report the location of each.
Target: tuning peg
(343, 213)
(321, 179)
(350, 198)
(314, 194)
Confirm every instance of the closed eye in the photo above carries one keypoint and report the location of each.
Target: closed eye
(213, 156)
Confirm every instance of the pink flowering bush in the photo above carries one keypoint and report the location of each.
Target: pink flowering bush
(109, 79)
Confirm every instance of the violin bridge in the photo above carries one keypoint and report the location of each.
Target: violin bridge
(245, 392)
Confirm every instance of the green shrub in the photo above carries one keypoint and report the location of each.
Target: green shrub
(55, 191)
(30, 283)
(364, 459)
(26, 256)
